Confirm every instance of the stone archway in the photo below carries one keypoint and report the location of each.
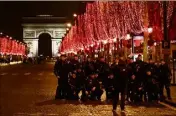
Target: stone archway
(44, 45)
(32, 32)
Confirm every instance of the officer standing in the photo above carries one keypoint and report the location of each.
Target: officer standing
(165, 78)
(92, 87)
(103, 70)
(73, 86)
(75, 63)
(120, 75)
(89, 66)
(61, 70)
(140, 72)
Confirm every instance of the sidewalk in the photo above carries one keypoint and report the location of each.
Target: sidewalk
(11, 63)
(173, 95)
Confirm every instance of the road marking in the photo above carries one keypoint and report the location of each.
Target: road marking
(27, 114)
(27, 73)
(3, 73)
(34, 114)
(14, 74)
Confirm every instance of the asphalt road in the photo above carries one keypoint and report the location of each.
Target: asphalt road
(28, 90)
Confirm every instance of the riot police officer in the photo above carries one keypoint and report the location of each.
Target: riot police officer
(61, 70)
(75, 63)
(140, 72)
(89, 66)
(165, 78)
(133, 88)
(109, 87)
(92, 87)
(73, 88)
(120, 83)
(103, 70)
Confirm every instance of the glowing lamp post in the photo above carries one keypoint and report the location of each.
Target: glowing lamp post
(74, 15)
(150, 30)
(69, 25)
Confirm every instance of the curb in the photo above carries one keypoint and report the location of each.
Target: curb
(170, 103)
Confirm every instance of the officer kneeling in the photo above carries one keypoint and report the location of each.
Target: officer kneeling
(73, 89)
(93, 90)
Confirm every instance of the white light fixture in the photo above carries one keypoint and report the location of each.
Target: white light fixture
(96, 55)
(67, 29)
(114, 40)
(105, 41)
(155, 44)
(69, 24)
(75, 15)
(128, 36)
(150, 30)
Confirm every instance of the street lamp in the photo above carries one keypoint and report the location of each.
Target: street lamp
(105, 41)
(114, 40)
(150, 30)
(75, 15)
(128, 36)
(69, 25)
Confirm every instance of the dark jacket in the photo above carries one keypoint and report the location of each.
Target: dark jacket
(73, 83)
(74, 65)
(89, 67)
(165, 74)
(120, 75)
(90, 83)
(103, 70)
(81, 79)
(62, 68)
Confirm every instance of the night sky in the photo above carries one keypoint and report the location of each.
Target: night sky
(12, 13)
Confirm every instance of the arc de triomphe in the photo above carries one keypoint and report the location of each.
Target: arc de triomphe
(31, 33)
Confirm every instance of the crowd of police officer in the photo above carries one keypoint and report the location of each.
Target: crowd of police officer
(135, 81)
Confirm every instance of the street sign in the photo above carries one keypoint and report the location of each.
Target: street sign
(166, 44)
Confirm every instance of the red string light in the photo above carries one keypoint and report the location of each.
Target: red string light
(106, 21)
(11, 47)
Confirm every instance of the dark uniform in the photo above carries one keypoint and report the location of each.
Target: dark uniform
(165, 79)
(92, 87)
(74, 63)
(61, 70)
(109, 86)
(140, 73)
(131, 72)
(103, 72)
(89, 67)
(120, 83)
(73, 86)
(150, 86)
(133, 89)
(81, 78)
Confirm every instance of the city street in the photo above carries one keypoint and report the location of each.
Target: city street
(29, 90)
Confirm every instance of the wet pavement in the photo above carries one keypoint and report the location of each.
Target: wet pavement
(28, 90)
